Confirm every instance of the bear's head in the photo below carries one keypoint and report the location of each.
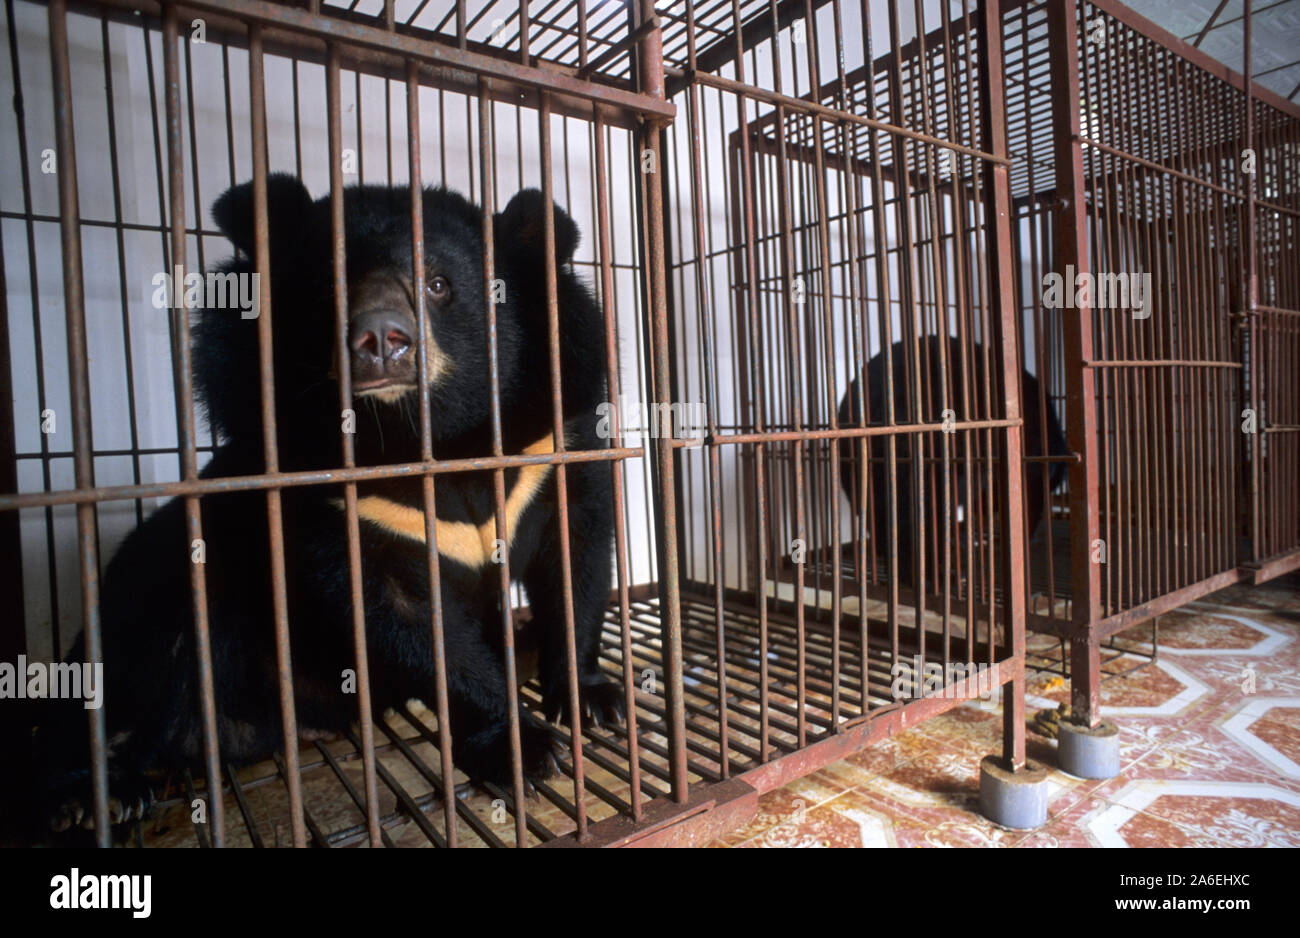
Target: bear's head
(382, 332)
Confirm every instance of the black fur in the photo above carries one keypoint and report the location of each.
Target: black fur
(932, 383)
(151, 701)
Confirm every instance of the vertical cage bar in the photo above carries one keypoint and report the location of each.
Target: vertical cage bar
(998, 215)
(79, 392)
(487, 177)
(343, 365)
(442, 702)
(1081, 403)
(561, 470)
(185, 427)
(1252, 300)
(33, 280)
(13, 635)
(650, 49)
(749, 301)
(266, 374)
(607, 304)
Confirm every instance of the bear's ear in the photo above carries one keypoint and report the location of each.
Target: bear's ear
(288, 205)
(521, 227)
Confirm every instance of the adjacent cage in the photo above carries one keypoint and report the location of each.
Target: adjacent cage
(1141, 184)
(1269, 328)
(841, 282)
(1149, 216)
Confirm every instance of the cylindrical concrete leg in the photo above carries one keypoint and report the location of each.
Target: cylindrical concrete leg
(1013, 799)
(1086, 752)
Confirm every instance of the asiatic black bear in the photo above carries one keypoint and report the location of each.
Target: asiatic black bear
(151, 701)
(932, 384)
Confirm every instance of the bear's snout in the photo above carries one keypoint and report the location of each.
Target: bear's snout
(382, 343)
(383, 337)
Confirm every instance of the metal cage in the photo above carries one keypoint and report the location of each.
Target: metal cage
(773, 194)
(184, 100)
(809, 235)
(1119, 177)
(1129, 150)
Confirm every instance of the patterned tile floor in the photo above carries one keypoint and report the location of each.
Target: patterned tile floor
(1210, 748)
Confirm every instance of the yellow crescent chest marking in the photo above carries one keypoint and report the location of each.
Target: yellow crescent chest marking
(461, 541)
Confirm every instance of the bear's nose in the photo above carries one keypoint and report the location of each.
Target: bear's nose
(379, 336)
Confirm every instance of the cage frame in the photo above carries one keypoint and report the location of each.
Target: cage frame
(641, 101)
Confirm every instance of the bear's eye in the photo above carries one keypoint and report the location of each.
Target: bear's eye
(439, 288)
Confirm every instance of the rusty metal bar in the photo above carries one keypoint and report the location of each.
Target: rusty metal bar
(13, 635)
(287, 27)
(1209, 24)
(804, 106)
(33, 279)
(628, 42)
(749, 301)
(1081, 402)
(442, 701)
(74, 300)
(343, 366)
(487, 179)
(266, 374)
(1163, 363)
(185, 429)
(998, 214)
(605, 254)
(200, 486)
(1251, 251)
(652, 84)
(824, 247)
(561, 471)
(889, 431)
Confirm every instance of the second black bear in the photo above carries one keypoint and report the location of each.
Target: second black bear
(932, 384)
(151, 698)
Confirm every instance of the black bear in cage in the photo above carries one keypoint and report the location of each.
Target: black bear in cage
(151, 695)
(933, 381)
